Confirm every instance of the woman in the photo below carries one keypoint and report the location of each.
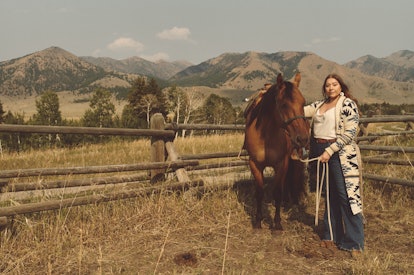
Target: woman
(334, 128)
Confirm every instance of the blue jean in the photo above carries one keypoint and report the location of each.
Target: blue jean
(347, 228)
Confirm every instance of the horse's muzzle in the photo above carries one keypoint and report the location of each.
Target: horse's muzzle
(299, 154)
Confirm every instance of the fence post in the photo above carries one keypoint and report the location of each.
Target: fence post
(158, 153)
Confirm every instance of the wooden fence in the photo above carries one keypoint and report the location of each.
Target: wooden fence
(162, 136)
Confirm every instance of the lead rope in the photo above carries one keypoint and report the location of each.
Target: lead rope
(319, 184)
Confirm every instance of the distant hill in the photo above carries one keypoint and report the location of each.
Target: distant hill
(137, 65)
(250, 70)
(398, 66)
(50, 69)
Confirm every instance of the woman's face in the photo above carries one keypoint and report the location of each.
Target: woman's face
(332, 88)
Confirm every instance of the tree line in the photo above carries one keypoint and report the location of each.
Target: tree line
(144, 98)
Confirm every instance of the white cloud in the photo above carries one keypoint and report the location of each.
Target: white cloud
(97, 52)
(316, 41)
(156, 57)
(125, 43)
(64, 10)
(334, 39)
(175, 33)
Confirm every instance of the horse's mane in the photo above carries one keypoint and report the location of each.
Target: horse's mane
(266, 106)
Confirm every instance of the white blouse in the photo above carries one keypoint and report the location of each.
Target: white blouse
(324, 124)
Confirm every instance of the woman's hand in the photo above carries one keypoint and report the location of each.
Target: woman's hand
(324, 157)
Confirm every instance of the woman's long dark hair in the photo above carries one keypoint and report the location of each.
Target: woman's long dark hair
(341, 82)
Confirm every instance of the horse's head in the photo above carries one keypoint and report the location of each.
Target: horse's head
(289, 110)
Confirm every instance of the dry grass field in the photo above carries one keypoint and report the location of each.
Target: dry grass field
(72, 105)
(207, 231)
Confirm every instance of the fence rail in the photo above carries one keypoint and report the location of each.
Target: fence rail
(173, 126)
(38, 129)
(167, 131)
(18, 173)
(387, 148)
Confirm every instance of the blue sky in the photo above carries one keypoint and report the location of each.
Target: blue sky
(195, 30)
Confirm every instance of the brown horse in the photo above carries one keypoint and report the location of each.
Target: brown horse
(275, 128)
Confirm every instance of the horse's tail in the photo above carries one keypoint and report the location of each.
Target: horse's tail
(241, 149)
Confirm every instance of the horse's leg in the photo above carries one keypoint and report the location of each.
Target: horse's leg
(297, 182)
(280, 181)
(278, 197)
(259, 181)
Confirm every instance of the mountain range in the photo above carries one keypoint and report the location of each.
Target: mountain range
(234, 75)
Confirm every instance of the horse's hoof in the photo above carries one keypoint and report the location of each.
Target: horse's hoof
(276, 227)
(257, 225)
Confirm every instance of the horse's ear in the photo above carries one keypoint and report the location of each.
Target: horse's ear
(279, 79)
(296, 81)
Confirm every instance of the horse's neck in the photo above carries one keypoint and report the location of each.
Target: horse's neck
(270, 127)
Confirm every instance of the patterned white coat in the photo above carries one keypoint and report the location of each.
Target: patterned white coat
(347, 120)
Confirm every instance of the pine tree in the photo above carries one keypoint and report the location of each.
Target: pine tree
(218, 110)
(48, 112)
(144, 99)
(101, 110)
